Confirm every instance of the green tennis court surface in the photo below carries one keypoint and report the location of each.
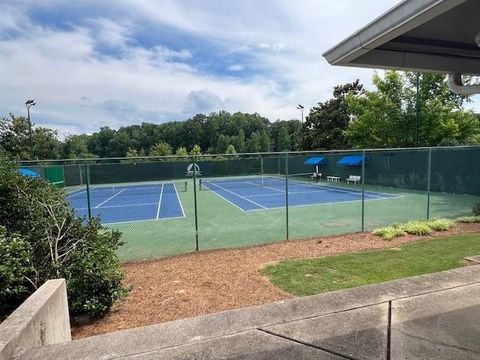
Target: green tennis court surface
(242, 199)
(222, 225)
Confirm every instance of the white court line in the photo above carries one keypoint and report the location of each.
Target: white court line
(178, 198)
(224, 199)
(110, 198)
(265, 187)
(231, 192)
(143, 220)
(75, 193)
(334, 188)
(120, 206)
(159, 202)
(325, 203)
(289, 193)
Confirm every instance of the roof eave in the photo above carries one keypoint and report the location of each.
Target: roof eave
(404, 17)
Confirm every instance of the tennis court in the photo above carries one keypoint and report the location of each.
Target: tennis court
(129, 203)
(245, 200)
(261, 193)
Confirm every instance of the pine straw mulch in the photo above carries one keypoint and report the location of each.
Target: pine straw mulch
(212, 281)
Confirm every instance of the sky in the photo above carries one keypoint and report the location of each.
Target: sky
(94, 63)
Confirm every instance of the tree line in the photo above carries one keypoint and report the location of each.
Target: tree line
(394, 114)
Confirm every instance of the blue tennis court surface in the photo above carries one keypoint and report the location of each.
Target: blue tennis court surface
(127, 203)
(251, 194)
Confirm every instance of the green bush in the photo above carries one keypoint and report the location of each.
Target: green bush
(417, 228)
(60, 243)
(440, 224)
(469, 219)
(389, 232)
(15, 269)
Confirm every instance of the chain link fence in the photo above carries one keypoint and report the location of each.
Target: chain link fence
(174, 205)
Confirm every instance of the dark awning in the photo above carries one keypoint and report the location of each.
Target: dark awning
(318, 160)
(352, 160)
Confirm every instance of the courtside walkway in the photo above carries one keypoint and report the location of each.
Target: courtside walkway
(434, 316)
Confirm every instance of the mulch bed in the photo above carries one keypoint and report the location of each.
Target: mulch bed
(212, 281)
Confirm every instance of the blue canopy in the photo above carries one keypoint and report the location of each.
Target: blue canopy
(318, 160)
(28, 172)
(352, 160)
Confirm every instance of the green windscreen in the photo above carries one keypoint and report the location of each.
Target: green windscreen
(54, 175)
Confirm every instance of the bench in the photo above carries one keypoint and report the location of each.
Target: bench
(333, 178)
(354, 179)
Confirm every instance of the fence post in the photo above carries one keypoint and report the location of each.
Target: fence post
(363, 190)
(87, 174)
(286, 195)
(429, 171)
(195, 201)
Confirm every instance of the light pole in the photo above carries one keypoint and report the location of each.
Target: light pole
(29, 104)
(300, 107)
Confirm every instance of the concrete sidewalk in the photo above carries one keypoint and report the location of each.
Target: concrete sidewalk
(434, 316)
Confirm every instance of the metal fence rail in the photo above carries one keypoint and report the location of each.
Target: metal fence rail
(174, 205)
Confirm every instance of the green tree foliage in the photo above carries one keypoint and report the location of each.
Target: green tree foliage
(281, 136)
(15, 138)
(196, 150)
(46, 144)
(181, 151)
(239, 141)
(161, 149)
(41, 238)
(76, 147)
(264, 142)
(134, 153)
(326, 123)
(231, 150)
(222, 144)
(254, 143)
(387, 117)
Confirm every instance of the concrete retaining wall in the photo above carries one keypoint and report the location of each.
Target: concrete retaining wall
(41, 320)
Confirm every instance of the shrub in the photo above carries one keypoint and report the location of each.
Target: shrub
(469, 219)
(59, 243)
(389, 232)
(15, 270)
(440, 224)
(416, 228)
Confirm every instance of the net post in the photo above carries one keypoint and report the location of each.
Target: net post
(363, 190)
(286, 196)
(429, 172)
(195, 201)
(81, 174)
(261, 169)
(87, 175)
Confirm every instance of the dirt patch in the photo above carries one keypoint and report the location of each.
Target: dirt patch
(212, 281)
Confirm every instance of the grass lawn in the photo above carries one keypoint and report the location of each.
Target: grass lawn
(313, 276)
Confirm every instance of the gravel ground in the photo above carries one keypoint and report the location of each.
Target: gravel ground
(213, 281)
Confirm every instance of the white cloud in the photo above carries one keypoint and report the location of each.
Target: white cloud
(236, 67)
(78, 88)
